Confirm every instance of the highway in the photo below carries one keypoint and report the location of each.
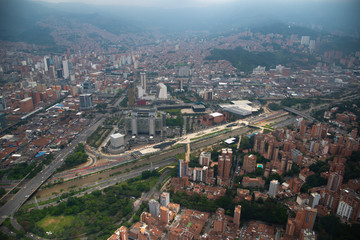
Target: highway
(101, 184)
(9, 208)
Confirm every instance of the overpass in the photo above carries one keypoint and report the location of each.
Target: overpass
(302, 114)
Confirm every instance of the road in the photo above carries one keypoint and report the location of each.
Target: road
(9, 208)
(98, 185)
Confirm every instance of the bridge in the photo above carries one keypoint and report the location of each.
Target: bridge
(302, 114)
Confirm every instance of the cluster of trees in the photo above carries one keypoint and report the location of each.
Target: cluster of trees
(270, 211)
(352, 166)
(246, 61)
(172, 122)
(148, 174)
(95, 215)
(22, 169)
(274, 107)
(330, 228)
(304, 103)
(316, 180)
(78, 157)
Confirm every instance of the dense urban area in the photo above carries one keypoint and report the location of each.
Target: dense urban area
(241, 134)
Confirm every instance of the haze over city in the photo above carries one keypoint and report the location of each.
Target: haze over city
(169, 119)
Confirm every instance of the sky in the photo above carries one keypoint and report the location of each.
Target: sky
(186, 3)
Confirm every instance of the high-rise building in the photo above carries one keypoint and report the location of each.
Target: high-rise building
(86, 101)
(249, 164)
(26, 105)
(316, 130)
(162, 91)
(131, 94)
(3, 123)
(274, 188)
(164, 215)
(314, 199)
(165, 199)
(183, 168)
(305, 219)
(305, 40)
(141, 92)
(154, 208)
(143, 80)
(237, 214)
(66, 72)
(224, 165)
(46, 63)
(2, 103)
(349, 205)
(205, 158)
(200, 174)
(219, 220)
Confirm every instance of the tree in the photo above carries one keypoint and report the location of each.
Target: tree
(274, 107)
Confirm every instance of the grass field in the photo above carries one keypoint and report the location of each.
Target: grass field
(54, 224)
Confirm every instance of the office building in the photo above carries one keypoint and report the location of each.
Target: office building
(162, 91)
(86, 101)
(140, 92)
(274, 188)
(66, 71)
(46, 63)
(237, 214)
(165, 199)
(154, 208)
(145, 121)
(143, 80)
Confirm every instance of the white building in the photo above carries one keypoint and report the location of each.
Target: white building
(305, 40)
(274, 188)
(141, 92)
(143, 80)
(314, 200)
(165, 199)
(66, 72)
(154, 208)
(117, 140)
(162, 91)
